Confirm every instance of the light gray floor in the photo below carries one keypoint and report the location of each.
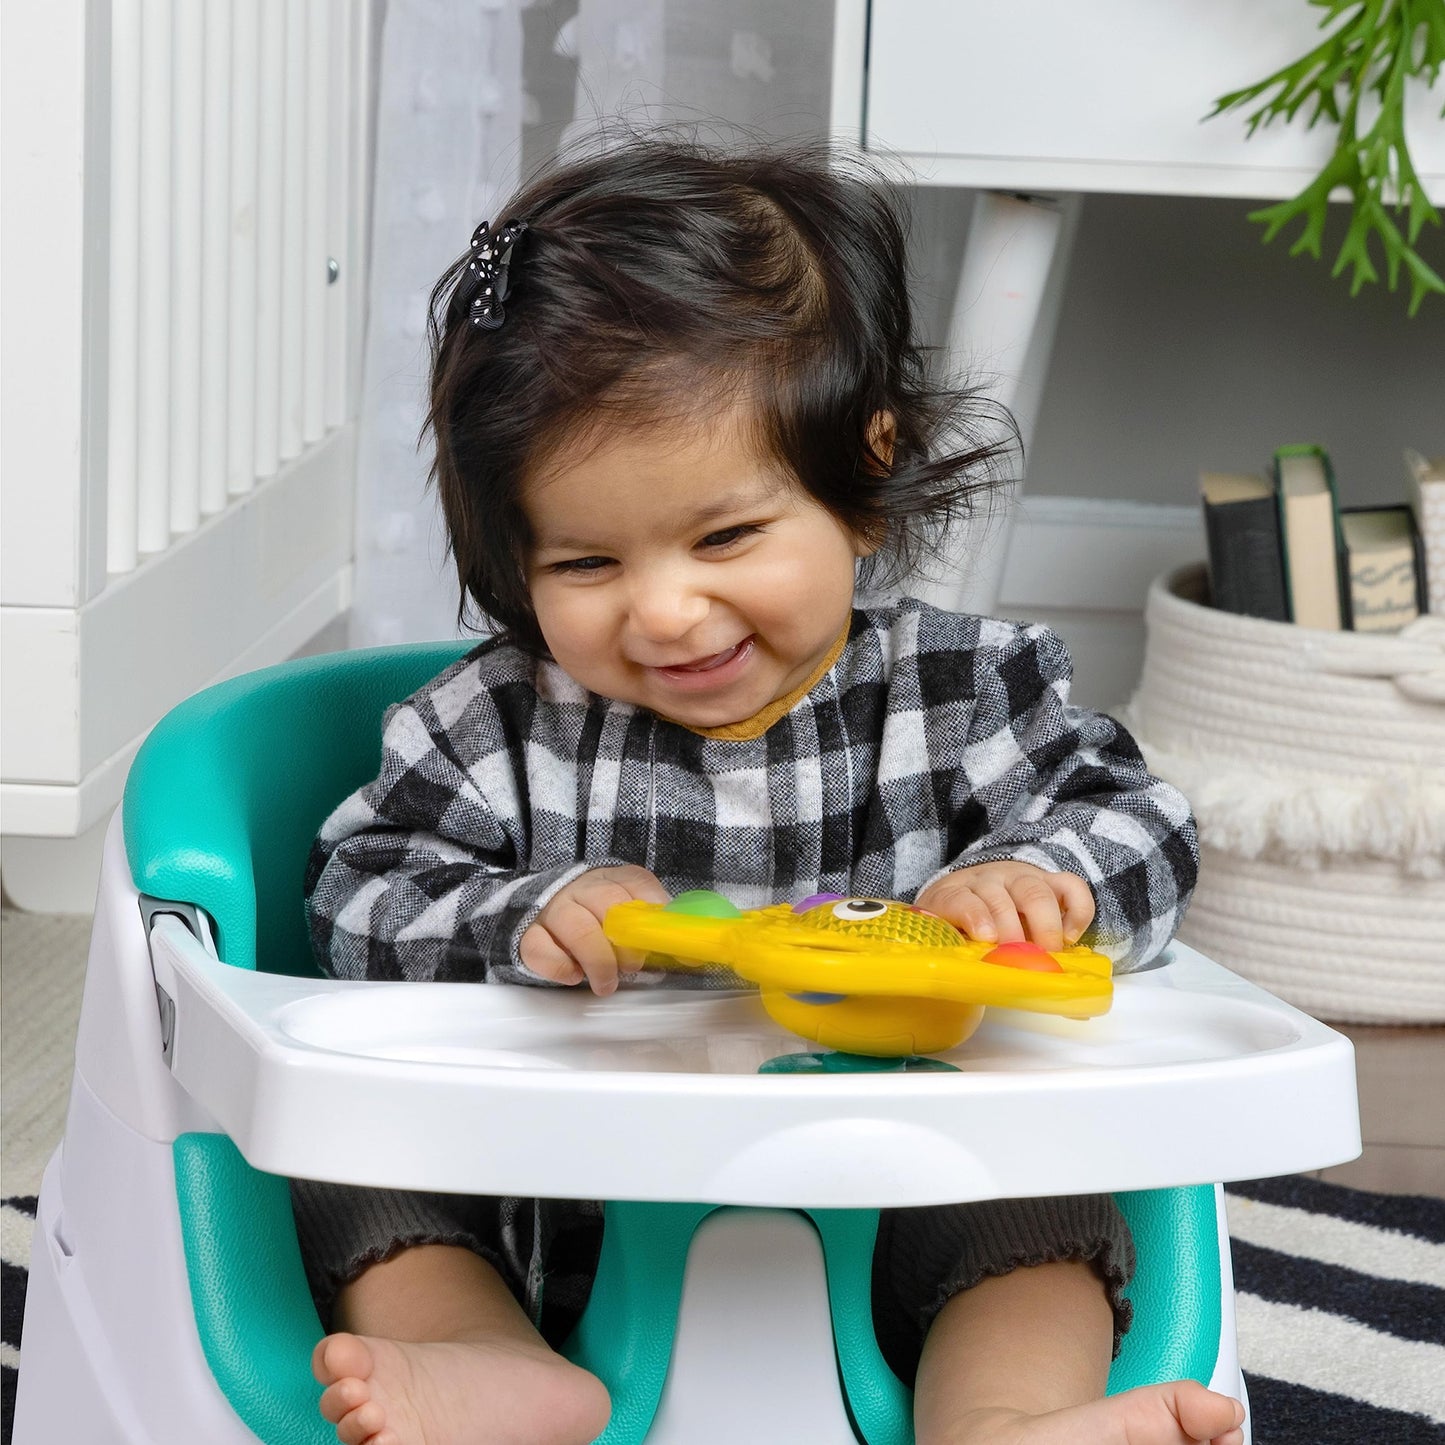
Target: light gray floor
(42, 966)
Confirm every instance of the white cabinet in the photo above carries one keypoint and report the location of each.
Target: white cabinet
(1054, 95)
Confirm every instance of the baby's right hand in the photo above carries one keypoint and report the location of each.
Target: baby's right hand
(566, 943)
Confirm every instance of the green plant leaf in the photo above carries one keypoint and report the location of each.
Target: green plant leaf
(1378, 49)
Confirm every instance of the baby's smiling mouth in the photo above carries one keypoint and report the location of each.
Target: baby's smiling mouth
(708, 664)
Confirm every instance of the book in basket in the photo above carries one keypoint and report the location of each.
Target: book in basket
(1384, 567)
(1310, 533)
(1426, 479)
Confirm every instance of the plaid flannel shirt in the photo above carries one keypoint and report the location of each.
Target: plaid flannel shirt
(935, 741)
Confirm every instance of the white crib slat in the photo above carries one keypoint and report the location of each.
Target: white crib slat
(270, 200)
(215, 254)
(318, 45)
(241, 311)
(153, 512)
(188, 51)
(235, 182)
(293, 236)
(365, 67)
(120, 494)
(344, 20)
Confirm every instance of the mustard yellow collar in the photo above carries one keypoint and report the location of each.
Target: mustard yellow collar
(755, 726)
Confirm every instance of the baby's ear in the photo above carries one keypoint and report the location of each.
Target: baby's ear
(869, 538)
(882, 431)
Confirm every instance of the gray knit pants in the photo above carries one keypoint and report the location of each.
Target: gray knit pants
(546, 1250)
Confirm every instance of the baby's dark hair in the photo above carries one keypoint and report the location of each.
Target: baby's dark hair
(666, 278)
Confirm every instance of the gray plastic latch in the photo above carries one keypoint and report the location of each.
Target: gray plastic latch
(199, 924)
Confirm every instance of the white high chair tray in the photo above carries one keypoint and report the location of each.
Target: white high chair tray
(1194, 1076)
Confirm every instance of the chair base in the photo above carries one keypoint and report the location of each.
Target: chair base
(110, 1353)
(64, 1392)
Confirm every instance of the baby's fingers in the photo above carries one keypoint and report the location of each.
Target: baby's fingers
(542, 955)
(963, 908)
(629, 881)
(1076, 899)
(1039, 909)
(577, 928)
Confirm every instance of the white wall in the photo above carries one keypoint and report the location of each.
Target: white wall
(1184, 343)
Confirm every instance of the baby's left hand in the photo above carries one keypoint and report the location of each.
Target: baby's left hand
(1009, 901)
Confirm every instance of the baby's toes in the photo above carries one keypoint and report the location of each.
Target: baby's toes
(339, 1356)
(361, 1425)
(340, 1399)
(1203, 1414)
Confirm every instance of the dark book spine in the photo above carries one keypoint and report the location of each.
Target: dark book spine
(1246, 567)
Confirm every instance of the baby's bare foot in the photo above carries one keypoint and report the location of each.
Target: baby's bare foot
(389, 1392)
(1181, 1413)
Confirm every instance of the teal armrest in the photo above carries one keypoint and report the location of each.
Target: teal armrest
(253, 1308)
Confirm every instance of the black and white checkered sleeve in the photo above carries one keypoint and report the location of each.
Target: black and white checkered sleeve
(1066, 789)
(414, 876)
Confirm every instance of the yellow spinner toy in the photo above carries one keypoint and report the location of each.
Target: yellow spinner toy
(864, 975)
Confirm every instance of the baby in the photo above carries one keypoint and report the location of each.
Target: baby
(680, 417)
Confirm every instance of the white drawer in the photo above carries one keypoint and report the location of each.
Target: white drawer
(1106, 96)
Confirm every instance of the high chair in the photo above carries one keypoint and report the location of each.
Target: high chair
(167, 1301)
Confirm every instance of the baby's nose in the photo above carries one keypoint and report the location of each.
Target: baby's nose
(667, 608)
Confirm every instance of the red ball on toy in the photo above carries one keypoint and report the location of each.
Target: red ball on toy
(1024, 954)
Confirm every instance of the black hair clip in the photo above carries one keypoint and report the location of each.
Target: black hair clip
(489, 267)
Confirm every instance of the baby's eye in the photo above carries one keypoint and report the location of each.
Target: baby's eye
(581, 564)
(718, 541)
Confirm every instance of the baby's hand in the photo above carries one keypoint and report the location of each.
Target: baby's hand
(1009, 901)
(566, 943)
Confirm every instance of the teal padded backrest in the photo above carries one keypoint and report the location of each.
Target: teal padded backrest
(229, 789)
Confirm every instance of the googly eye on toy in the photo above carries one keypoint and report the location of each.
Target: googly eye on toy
(859, 908)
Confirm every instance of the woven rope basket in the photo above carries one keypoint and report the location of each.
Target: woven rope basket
(1315, 762)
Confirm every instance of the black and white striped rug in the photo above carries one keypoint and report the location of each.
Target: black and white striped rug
(1341, 1300)
(17, 1220)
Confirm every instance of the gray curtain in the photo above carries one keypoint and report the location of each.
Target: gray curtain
(472, 96)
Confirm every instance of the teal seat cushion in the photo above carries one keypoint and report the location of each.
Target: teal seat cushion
(625, 1337)
(258, 1326)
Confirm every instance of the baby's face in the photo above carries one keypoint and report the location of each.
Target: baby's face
(675, 567)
